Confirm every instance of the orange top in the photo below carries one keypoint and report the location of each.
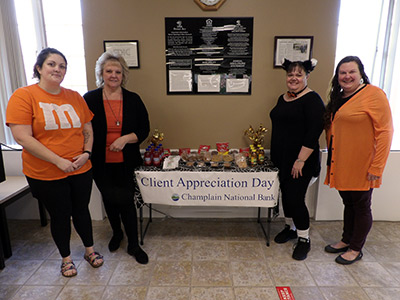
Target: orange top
(113, 109)
(361, 134)
(57, 122)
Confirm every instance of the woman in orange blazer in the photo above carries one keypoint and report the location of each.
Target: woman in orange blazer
(359, 132)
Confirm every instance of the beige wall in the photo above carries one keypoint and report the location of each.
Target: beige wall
(188, 121)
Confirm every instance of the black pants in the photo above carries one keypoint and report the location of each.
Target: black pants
(293, 200)
(357, 217)
(63, 199)
(117, 190)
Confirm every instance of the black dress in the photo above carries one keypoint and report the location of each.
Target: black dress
(295, 124)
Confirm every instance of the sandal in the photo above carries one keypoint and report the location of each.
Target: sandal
(68, 266)
(93, 259)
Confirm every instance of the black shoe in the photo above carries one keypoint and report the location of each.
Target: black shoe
(330, 249)
(285, 235)
(139, 254)
(115, 242)
(343, 261)
(303, 246)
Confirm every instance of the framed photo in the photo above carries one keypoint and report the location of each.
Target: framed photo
(293, 48)
(129, 50)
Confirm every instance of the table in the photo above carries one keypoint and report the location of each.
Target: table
(11, 190)
(187, 186)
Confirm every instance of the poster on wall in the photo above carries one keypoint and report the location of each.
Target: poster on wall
(209, 55)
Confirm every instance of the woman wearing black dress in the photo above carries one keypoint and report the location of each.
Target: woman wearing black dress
(297, 123)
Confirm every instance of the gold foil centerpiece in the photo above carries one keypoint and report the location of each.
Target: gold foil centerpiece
(157, 137)
(256, 136)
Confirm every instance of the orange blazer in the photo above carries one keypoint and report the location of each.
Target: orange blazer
(361, 134)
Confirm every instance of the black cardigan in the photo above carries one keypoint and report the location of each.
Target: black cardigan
(134, 119)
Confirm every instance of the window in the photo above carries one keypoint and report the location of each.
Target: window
(369, 29)
(36, 24)
(56, 24)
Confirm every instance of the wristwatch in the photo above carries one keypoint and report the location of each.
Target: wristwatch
(209, 4)
(88, 152)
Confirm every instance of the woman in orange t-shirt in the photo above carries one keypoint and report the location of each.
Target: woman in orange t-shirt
(359, 134)
(53, 125)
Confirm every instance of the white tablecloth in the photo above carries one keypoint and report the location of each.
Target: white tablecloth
(192, 188)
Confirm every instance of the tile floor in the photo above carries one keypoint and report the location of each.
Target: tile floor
(203, 260)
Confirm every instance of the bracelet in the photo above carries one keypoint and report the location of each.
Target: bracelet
(88, 152)
(300, 160)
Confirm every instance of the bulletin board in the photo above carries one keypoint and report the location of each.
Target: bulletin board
(209, 55)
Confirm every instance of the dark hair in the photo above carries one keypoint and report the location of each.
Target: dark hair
(43, 55)
(335, 90)
(307, 66)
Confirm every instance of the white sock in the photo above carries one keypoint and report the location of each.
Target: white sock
(289, 221)
(305, 234)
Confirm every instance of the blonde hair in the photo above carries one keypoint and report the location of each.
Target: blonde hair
(102, 60)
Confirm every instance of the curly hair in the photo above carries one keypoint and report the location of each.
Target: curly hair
(335, 90)
(102, 60)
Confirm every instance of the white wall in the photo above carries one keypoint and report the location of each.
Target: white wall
(27, 208)
(385, 200)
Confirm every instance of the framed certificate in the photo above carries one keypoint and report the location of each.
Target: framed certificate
(293, 48)
(129, 50)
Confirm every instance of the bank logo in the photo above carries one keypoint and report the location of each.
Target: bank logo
(175, 197)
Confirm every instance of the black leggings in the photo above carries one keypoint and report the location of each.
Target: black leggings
(63, 199)
(357, 217)
(293, 200)
(117, 190)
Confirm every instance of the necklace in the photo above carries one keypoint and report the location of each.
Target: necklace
(117, 122)
(293, 94)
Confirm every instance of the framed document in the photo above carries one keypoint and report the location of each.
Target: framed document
(293, 48)
(129, 50)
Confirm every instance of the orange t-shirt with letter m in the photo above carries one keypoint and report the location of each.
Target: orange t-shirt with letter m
(57, 122)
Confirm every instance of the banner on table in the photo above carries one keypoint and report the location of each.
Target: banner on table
(252, 189)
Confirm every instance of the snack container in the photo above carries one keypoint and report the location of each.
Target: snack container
(223, 147)
(207, 156)
(227, 164)
(192, 156)
(184, 156)
(214, 164)
(241, 160)
(166, 153)
(245, 151)
(184, 150)
(216, 157)
(233, 152)
(190, 163)
(203, 148)
(227, 157)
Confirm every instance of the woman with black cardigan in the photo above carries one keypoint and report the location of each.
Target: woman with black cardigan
(120, 124)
